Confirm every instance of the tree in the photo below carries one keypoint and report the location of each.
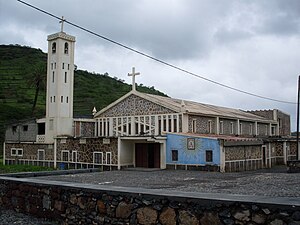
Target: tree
(37, 80)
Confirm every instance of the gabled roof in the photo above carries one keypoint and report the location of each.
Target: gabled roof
(190, 107)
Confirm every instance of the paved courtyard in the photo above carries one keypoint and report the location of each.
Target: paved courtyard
(274, 182)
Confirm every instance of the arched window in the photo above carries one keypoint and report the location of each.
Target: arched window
(66, 48)
(53, 47)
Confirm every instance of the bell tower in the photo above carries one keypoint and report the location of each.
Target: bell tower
(60, 85)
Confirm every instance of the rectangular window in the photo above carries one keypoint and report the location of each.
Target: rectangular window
(25, 128)
(53, 77)
(16, 152)
(98, 157)
(41, 154)
(209, 127)
(67, 99)
(54, 65)
(108, 158)
(209, 155)
(14, 129)
(175, 155)
(241, 128)
(273, 130)
(65, 155)
(19, 152)
(194, 126)
(231, 128)
(74, 156)
(68, 66)
(51, 66)
(13, 152)
(221, 127)
(61, 99)
(65, 77)
(63, 65)
(53, 98)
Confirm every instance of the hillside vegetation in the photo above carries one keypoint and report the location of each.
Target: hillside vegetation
(21, 71)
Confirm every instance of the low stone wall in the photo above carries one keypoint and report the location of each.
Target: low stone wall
(77, 203)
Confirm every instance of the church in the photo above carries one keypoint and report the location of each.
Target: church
(144, 130)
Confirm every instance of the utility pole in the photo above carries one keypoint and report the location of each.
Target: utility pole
(297, 151)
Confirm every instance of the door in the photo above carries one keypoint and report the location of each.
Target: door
(147, 155)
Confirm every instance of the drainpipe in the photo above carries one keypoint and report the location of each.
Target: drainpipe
(54, 153)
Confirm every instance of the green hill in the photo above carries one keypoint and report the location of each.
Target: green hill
(18, 68)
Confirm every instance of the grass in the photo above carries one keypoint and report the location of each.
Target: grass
(21, 168)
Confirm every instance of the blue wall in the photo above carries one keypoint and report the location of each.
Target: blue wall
(197, 156)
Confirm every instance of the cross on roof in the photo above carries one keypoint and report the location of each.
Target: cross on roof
(133, 74)
(62, 24)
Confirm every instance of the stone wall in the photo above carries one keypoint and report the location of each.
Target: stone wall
(78, 204)
(202, 124)
(85, 148)
(135, 105)
(284, 124)
(30, 151)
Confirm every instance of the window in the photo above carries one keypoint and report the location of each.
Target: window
(68, 66)
(231, 128)
(66, 48)
(194, 126)
(65, 155)
(16, 152)
(25, 128)
(273, 130)
(241, 128)
(209, 127)
(221, 127)
(61, 99)
(174, 155)
(67, 99)
(108, 158)
(209, 155)
(74, 156)
(51, 66)
(65, 77)
(53, 77)
(53, 47)
(14, 129)
(13, 152)
(53, 98)
(98, 157)
(63, 65)
(54, 65)
(41, 154)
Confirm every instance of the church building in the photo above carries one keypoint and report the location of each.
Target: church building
(144, 130)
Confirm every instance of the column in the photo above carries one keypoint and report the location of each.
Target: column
(172, 123)
(132, 126)
(111, 127)
(106, 127)
(156, 124)
(127, 126)
(284, 153)
(256, 128)
(238, 127)
(177, 120)
(218, 125)
(167, 123)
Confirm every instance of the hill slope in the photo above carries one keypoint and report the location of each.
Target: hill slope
(17, 87)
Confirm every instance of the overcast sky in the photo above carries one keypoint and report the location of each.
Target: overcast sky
(250, 45)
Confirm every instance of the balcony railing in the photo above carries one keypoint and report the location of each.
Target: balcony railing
(40, 138)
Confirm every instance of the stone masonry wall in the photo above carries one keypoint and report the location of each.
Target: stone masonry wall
(134, 105)
(99, 206)
(86, 147)
(30, 151)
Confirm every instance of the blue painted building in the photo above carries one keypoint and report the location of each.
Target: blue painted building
(184, 150)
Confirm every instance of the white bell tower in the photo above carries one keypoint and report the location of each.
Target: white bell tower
(60, 85)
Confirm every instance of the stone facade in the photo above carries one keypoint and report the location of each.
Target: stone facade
(85, 147)
(135, 105)
(202, 124)
(84, 129)
(81, 205)
(30, 151)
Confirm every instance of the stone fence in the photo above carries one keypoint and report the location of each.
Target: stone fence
(76, 203)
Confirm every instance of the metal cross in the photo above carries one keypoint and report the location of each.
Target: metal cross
(133, 74)
(62, 24)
